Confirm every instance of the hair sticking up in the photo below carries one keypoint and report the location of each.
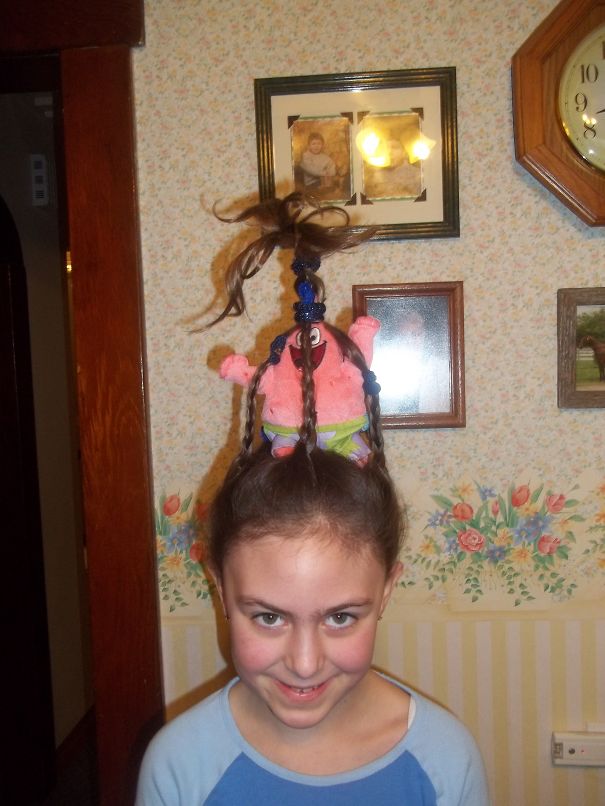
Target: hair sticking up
(289, 223)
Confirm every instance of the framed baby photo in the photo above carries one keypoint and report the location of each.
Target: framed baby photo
(418, 352)
(581, 343)
(383, 145)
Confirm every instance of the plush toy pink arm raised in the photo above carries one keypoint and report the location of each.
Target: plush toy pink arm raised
(236, 368)
(362, 332)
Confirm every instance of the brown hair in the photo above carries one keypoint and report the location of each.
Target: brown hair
(289, 223)
(265, 495)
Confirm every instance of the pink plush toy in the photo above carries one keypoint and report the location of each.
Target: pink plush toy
(318, 387)
(339, 390)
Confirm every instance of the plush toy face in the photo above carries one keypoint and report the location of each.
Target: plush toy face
(318, 349)
(325, 353)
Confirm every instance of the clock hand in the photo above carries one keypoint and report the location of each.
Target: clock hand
(599, 112)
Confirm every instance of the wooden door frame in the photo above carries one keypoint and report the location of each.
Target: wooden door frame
(108, 327)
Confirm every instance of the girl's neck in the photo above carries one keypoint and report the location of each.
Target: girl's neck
(364, 726)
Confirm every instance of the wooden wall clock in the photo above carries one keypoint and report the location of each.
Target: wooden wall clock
(559, 106)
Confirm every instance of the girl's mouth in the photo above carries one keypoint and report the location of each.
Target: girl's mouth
(302, 693)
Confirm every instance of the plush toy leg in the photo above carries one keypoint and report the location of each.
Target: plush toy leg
(282, 444)
(353, 446)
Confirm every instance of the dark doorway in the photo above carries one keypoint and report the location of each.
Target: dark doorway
(54, 694)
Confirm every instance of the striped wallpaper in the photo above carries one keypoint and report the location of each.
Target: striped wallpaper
(512, 681)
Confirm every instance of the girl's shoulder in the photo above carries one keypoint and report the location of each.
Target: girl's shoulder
(445, 750)
(188, 755)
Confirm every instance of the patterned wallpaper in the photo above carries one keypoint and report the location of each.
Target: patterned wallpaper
(500, 612)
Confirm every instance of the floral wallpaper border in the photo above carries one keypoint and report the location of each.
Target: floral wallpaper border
(528, 546)
(524, 546)
(180, 551)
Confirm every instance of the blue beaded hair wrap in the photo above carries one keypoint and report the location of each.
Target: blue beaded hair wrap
(301, 263)
(307, 310)
(370, 384)
(278, 345)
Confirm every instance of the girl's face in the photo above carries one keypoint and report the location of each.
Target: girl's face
(303, 613)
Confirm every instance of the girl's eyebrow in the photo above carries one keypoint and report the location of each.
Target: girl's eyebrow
(252, 602)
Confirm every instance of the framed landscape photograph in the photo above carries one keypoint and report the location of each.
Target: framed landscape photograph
(382, 144)
(581, 348)
(418, 352)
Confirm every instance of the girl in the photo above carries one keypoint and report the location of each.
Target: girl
(303, 549)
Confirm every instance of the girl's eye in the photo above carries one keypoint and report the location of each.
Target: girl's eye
(340, 620)
(299, 338)
(269, 619)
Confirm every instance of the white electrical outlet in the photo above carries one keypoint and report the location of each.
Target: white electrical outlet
(578, 749)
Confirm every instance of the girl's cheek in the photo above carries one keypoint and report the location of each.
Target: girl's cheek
(251, 652)
(357, 654)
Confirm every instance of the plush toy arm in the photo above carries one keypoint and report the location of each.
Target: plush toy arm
(237, 369)
(362, 332)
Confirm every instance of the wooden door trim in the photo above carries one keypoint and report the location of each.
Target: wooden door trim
(114, 440)
(47, 25)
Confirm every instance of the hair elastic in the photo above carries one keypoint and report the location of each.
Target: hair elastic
(370, 384)
(299, 264)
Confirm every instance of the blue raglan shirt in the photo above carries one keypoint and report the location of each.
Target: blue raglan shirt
(201, 758)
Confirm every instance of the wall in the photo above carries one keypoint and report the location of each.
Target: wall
(512, 671)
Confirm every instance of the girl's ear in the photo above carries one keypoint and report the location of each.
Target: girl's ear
(390, 583)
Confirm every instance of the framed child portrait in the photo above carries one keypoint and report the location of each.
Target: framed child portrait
(382, 144)
(581, 348)
(418, 352)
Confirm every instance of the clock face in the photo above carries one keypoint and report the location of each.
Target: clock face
(582, 98)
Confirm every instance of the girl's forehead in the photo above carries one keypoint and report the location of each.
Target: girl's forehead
(313, 555)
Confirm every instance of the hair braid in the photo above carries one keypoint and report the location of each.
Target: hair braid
(248, 438)
(372, 402)
(308, 432)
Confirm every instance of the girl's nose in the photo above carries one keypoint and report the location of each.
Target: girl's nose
(305, 653)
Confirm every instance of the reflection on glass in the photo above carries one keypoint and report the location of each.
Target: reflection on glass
(390, 169)
(590, 348)
(412, 354)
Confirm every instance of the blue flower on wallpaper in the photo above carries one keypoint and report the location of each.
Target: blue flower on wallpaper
(180, 539)
(486, 492)
(451, 545)
(439, 518)
(538, 524)
(522, 534)
(495, 553)
(528, 530)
